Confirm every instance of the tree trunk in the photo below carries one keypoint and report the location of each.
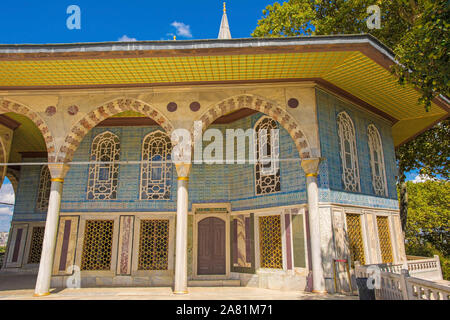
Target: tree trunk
(403, 201)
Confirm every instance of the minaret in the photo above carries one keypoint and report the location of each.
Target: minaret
(224, 32)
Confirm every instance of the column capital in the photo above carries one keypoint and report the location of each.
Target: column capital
(311, 166)
(183, 169)
(58, 170)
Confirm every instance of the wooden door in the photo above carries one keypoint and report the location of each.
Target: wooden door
(211, 246)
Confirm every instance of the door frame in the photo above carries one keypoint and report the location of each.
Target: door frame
(225, 216)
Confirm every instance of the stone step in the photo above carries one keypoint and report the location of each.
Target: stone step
(214, 283)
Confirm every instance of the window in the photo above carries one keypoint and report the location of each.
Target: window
(377, 161)
(44, 189)
(271, 254)
(267, 171)
(37, 238)
(349, 157)
(154, 245)
(385, 239)
(103, 172)
(156, 167)
(355, 239)
(97, 245)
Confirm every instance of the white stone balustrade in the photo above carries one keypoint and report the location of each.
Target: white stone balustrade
(393, 285)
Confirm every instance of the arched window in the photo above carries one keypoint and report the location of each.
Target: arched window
(267, 170)
(349, 156)
(103, 172)
(156, 167)
(44, 189)
(377, 161)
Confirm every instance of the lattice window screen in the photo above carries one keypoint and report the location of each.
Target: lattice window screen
(37, 238)
(154, 245)
(385, 239)
(267, 170)
(104, 173)
(156, 167)
(355, 238)
(44, 189)
(97, 245)
(377, 161)
(349, 155)
(271, 255)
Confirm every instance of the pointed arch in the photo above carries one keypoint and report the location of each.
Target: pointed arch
(377, 161)
(348, 152)
(12, 106)
(262, 105)
(106, 110)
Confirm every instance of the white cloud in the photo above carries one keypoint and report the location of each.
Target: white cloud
(422, 178)
(7, 193)
(183, 30)
(6, 211)
(125, 38)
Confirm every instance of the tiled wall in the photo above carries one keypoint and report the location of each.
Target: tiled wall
(226, 183)
(27, 193)
(330, 177)
(208, 182)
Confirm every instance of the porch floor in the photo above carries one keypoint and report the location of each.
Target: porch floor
(21, 287)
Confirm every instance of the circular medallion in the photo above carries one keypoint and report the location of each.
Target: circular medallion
(293, 103)
(72, 110)
(51, 110)
(195, 106)
(172, 107)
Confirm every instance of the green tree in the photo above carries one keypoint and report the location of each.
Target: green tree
(417, 30)
(429, 153)
(428, 224)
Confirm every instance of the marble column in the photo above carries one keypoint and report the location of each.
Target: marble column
(57, 172)
(180, 286)
(311, 169)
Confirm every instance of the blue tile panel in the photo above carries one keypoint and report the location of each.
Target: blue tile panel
(330, 177)
(27, 192)
(219, 183)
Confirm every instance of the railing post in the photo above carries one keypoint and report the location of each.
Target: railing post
(404, 275)
(438, 265)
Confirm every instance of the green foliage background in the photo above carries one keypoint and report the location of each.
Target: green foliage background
(428, 224)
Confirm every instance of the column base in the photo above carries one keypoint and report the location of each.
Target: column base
(320, 292)
(180, 292)
(41, 294)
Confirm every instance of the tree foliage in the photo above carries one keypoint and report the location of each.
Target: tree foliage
(428, 224)
(429, 152)
(417, 31)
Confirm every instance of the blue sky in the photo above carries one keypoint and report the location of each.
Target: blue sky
(34, 21)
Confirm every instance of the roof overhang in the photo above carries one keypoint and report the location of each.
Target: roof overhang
(355, 66)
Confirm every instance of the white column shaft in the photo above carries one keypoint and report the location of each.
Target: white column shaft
(181, 238)
(314, 231)
(49, 243)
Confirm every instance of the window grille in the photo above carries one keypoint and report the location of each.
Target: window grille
(267, 171)
(377, 161)
(154, 245)
(271, 255)
(104, 173)
(156, 167)
(355, 238)
(97, 245)
(385, 239)
(37, 238)
(349, 156)
(44, 189)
